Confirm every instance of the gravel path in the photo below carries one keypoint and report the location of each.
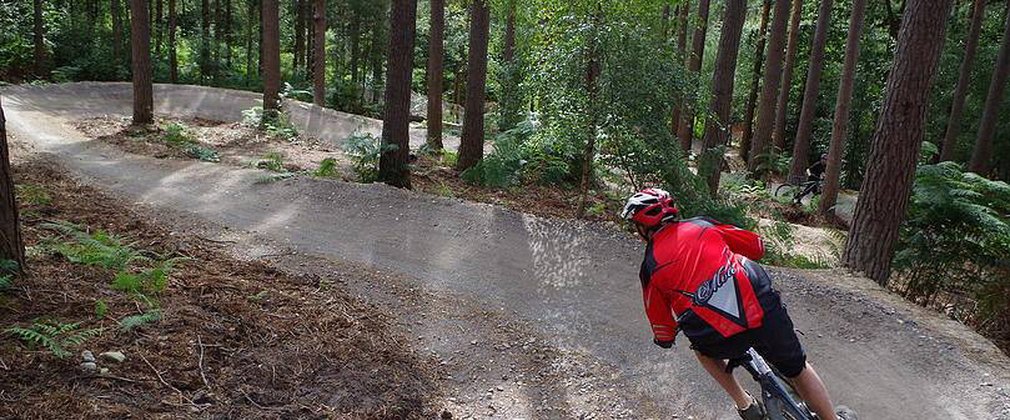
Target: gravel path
(548, 311)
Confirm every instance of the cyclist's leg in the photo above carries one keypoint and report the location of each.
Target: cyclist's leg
(717, 368)
(810, 387)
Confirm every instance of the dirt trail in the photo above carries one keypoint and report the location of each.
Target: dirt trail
(533, 317)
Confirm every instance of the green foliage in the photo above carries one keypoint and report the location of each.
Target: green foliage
(773, 162)
(149, 281)
(520, 156)
(954, 239)
(327, 169)
(778, 239)
(272, 161)
(177, 134)
(7, 270)
(32, 194)
(129, 323)
(276, 125)
(99, 248)
(202, 153)
(54, 336)
(275, 177)
(365, 151)
(101, 308)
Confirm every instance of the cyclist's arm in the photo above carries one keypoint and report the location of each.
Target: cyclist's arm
(743, 242)
(657, 308)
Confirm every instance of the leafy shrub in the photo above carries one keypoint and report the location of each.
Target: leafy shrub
(131, 322)
(202, 153)
(177, 134)
(54, 336)
(365, 151)
(327, 169)
(278, 125)
(96, 249)
(773, 162)
(521, 156)
(272, 161)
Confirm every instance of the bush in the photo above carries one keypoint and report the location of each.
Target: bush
(365, 151)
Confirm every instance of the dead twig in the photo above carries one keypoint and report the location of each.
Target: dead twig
(253, 402)
(203, 376)
(160, 378)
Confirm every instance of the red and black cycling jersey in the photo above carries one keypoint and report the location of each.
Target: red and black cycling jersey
(700, 268)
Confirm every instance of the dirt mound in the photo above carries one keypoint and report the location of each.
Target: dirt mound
(236, 339)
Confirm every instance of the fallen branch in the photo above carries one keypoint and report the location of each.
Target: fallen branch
(253, 402)
(183, 396)
(202, 374)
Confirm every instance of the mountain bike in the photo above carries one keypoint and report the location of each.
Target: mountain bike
(799, 191)
(780, 399)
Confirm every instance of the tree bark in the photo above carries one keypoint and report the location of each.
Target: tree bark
(205, 39)
(173, 58)
(299, 46)
(755, 87)
(508, 51)
(981, 157)
(376, 56)
(717, 128)
(593, 67)
(471, 148)
(40, 45)
(801, 146)
(11, 245)
(319, 62)
(435, 67)
(227, 33)
(140, 41)
(895, 147)
(964, 79)
(310, 38)
(393, 168)
(250, 23)
(271, 59)
(843, 104)
(782, 108)
(771, 84)
(158, 33)
(117, 32)
(355, 46)
(683, 12)
(685, 130)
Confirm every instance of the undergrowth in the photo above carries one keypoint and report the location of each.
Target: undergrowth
(365, 150)
(56, 337)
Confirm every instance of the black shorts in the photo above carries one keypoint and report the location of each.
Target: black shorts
(775, 340)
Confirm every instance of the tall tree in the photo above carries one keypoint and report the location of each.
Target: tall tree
(755, 87)
(204, 64)
(594, 63)
(717, 127)
(173, 60)
(782, 108)
(896, 142)
(319, 60)
(252, 22)
(140, 40)
(808, 111)
(508, 51)
(435, 64)
(471, 147)
(393, 168)
(981, 157)
(40, 45)
(299, 48)
(117, 32)
(11, 246)
(377, 53)
(683, 11)
(685, 131)
(843, 104)
(770, 84)
(271, 60)
(963, 80)
(156, 30)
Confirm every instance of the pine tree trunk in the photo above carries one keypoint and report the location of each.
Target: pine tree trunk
(471, 148)
(310, 38)
(508, 51)
(685, 130)
(173, 58)
(299, 35)
(218, 37)
(895, 148)
(593, 66)
(319, 62)
(159, 32)
(683, 13)
(11, 245)
(435, 68)
(140, 41)
(843, 104)
(755, 87)
(227, 33)
(801, 146)
(117, 32)
(393, 168)
(377, 57)
(717, 128)
(205, 71)
(250, 23)
(355, 47)
(271, 60)
(782, 108)
(770, 85)
(981, 157)
(39, 38)
(949, 145)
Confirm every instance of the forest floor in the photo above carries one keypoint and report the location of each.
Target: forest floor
(526, 316)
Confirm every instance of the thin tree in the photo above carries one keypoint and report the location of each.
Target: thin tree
(963, 81)
(683, 11)
(770, 84)
(471, 147)
(435, 64)
(173, 60)
(717, 127)
(12, 248)
(843, 104)
(782, 108)
(685, 131)
(158, 33)
(319, 59)
(299, 46)
(251, 21)
(982, 155)
(393, 168)
(808, 111)
(271, 60)
(40, 45)
(140, 40)
(117, 32)
(755, 87)
(895, 146)
(594, 64)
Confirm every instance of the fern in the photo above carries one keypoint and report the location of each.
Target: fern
(327, 169)
(96, 249)
(32, 194)
(54, 336)
(134, 321)
(365, 150)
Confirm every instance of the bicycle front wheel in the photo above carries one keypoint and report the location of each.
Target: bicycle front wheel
(784, 190)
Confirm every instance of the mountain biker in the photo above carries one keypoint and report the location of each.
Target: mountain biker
(816, 171)
(699, 277)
